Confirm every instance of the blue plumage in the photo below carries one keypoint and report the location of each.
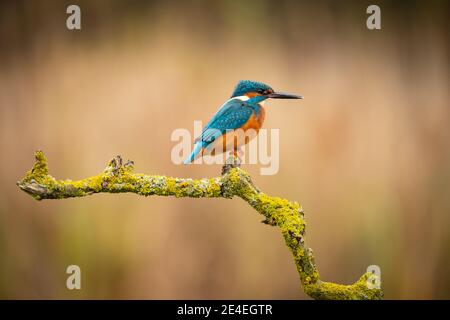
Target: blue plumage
(197, 149)
(232, 115)
(245, 86)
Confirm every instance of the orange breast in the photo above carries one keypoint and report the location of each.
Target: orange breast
(235, 139)
(256, 121)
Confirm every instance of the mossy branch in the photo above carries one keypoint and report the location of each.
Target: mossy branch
(287, 215)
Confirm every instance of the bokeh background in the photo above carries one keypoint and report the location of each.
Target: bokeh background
(366, 153)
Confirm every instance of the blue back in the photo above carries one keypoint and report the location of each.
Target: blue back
(232, 115)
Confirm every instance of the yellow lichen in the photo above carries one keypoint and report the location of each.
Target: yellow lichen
(285, 214)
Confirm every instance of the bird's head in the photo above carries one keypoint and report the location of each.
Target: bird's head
(253, 89)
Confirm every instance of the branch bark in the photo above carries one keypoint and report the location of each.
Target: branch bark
(287, 215)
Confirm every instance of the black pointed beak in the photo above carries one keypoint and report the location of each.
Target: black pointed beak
(281, 95)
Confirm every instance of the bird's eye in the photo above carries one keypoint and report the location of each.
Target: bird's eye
(261, 91)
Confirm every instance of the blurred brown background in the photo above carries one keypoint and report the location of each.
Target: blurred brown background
(366, 153)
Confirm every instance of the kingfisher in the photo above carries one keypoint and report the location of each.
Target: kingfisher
(237, 121)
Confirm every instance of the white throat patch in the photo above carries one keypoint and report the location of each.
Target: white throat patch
(242, 98)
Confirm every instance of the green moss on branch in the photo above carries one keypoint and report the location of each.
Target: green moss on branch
(285, 214)
(116, 178)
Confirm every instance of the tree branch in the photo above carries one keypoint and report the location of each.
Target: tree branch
(287, 215)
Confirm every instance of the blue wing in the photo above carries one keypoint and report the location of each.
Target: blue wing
(232, 115)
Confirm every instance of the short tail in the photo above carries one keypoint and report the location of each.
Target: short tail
(197, 149)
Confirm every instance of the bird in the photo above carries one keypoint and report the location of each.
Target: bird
(244, 110)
